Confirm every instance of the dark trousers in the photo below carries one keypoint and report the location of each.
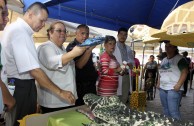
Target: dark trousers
(47, 110)
(186, 84)
(26, 98)
(84, 88)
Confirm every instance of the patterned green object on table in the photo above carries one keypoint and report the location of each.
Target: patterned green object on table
(107, 109)
(110, 111)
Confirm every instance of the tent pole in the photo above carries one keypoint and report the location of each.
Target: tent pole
(191, 71)
(142, 66)
(160, 51)
(153, 50)
(131, 77)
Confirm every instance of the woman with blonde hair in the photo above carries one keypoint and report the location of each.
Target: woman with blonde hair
(59, 67)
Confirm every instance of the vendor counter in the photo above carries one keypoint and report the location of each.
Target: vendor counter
(104, 111)
(59, 118)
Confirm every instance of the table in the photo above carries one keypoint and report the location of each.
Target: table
(42, 120)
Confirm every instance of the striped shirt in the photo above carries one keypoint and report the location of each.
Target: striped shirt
(108, 81)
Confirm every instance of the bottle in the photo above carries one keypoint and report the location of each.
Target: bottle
(11, 86)
(125, 65)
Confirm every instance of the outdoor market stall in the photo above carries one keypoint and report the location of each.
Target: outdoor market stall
(109, 110)
(103, 111)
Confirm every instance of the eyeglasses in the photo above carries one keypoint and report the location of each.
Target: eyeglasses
(59, 31)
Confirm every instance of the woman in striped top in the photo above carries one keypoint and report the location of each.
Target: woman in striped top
(109, 69)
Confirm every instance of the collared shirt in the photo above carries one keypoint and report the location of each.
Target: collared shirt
(118, 56)
(126, 53)
(19, 50)
(50, 57)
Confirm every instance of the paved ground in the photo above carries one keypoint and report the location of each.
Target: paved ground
(187, 105)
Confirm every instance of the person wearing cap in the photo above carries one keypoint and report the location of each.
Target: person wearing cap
(188, 60)
(172, 74)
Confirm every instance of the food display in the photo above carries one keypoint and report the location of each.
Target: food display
(109, 111)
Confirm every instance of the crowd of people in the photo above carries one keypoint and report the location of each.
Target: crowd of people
(59, 77)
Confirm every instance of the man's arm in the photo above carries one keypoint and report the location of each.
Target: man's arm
(81, 62)
(183, 67)
(158, 82)
(8, 99)
(182, 79)
(45, 82)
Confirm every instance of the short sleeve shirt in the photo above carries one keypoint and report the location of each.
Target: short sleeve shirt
(19, 50)
(170, 71)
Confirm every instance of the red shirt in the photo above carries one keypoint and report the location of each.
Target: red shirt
(108, 81)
